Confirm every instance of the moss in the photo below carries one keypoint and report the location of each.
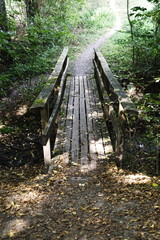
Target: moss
(52, 79)
(39, 101)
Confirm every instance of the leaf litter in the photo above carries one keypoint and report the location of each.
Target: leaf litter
(62, 205)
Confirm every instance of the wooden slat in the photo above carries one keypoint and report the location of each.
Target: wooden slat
(75, 133)
(53, 81)
(91, 138)
(47, 147)
(69, 118)
(95, 118)
(47, 131)
(83, 124)
(103, 131)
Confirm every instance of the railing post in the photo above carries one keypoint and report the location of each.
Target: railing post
(47, 147)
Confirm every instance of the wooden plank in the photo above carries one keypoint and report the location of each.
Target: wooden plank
(95, 118)
(91, 138)
(52, 83)
(69, 119)
(60, 65)
(75, 133)
(48, 128)
(47, 147)
(103, 127)
(105, 143)
(83, 124)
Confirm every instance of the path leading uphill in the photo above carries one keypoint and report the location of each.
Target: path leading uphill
(83, 64)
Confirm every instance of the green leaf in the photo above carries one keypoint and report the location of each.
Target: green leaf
(154, 184)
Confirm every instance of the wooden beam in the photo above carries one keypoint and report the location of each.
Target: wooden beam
(48, 128)
(75, 130)
(52, 83)
(113, 87)
(47, 147)
(83, 123)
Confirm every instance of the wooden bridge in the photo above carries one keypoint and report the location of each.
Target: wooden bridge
(94, 115)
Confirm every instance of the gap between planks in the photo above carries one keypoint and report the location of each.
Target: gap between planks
(85, 135)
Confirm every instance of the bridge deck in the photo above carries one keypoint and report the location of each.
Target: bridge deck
(82, 128)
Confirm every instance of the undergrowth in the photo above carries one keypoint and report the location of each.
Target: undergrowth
(141, 80)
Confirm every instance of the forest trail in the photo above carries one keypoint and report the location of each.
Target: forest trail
(83, 64)
(69, 204)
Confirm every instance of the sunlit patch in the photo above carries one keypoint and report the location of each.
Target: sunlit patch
(136, 179)
(22, 110)
(24, 197)
(14, 227)
(131, 91)
(89, 167)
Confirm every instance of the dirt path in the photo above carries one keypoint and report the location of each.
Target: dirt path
(83, 64)
(104, 204)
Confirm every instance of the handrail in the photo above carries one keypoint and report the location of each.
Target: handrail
(47, 131)
(53, 81)
(112, 86)
(54, 87)
(117, 106)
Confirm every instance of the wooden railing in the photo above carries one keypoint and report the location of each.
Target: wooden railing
(119, 110)
(51, 95)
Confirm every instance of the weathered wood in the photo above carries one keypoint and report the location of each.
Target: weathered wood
(96, 114)
(83, 124)
(117, 106)
(54, 87)
(48, 128)
(75, 133)
(113, 87)
(69, 117)
(92, 143)
(107, 104)
(47, 147)
(79, 142)
(53, 82)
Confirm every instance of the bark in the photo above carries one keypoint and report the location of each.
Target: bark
(131, 31)
(3, 16)
(31, 8)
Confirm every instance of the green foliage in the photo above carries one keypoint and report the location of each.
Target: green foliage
(97, 18)
(7, 129)
(30, 47)
(146, 38)
(141, 74)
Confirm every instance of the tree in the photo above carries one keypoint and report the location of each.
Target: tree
(3, 16)
(4, 35)
(145, 37)
(131, 31)
(32, 8)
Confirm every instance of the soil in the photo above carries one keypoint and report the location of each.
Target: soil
(67, 204)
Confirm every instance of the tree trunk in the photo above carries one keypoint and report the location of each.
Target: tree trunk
(3, 16)
(31, 8)
(4, 54)
(131, 31)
